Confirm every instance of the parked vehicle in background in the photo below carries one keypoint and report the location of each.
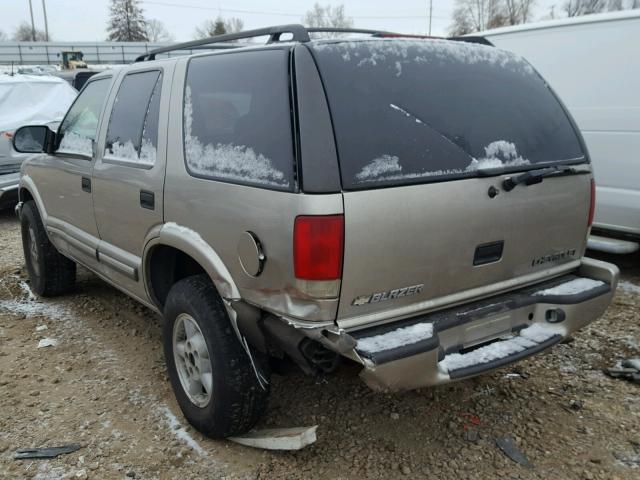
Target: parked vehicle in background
(26, 99)
(72, 60)
(419, 207)
(76, 78)
(593, 64)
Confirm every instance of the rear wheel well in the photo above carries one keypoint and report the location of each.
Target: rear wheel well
(166, 266)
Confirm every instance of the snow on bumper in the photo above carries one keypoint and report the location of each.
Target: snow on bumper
(475, 338)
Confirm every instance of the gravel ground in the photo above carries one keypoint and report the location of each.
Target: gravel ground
(104, 386)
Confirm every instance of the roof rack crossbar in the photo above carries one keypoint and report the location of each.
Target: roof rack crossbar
(346, 30)
(298, 32)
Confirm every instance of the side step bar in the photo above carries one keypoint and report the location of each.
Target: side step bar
(611, 245)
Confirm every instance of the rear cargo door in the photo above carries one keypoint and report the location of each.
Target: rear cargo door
(426, 132)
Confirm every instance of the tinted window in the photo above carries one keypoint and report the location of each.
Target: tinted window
(78, 129)
(237, 123)
(407, 111)
(133, 127)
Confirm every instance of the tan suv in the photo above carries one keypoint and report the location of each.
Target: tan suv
(417, 206)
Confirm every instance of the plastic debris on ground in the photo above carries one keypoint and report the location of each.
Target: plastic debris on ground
(47, 342)
(278, 438)
(511, 450)
(46, 452)
(627, 369)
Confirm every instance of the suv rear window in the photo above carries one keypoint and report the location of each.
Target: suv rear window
(407, 111)
(237, 121)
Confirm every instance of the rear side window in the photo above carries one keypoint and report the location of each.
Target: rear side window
(407, 111)
(132, 135)
(237, 121)
(79, 127)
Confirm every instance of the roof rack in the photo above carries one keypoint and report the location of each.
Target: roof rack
(299, 33)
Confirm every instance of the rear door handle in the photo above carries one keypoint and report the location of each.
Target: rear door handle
(147, 200)
(86, 184)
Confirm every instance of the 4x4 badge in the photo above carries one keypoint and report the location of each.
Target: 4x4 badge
(389, 295)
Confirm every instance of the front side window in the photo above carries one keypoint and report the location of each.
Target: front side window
(78, 130)
(237, 121)
(132, 135)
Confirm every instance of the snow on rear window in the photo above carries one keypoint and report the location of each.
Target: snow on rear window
(572, 287)
(499, 153)
(405, 51)
(227, 161)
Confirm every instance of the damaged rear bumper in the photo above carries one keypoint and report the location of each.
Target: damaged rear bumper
(478, 337)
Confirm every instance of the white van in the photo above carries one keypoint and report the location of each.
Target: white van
(593, 64)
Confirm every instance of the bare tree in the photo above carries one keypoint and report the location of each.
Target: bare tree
(233, 25)
(219, 26)
(327, 17)
(126, 22)
(615, 5)
(575, 8)
(518, 11)
(3, 36)
(157, 31)
(476, 15)
(23, 33)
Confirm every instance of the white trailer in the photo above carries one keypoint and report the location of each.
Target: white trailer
(593, 63)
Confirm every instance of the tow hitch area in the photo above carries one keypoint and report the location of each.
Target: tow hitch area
(474, 338)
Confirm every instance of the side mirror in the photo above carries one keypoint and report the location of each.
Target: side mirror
(33, 139)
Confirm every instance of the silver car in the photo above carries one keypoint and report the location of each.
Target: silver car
(26, 99)
(417, 206)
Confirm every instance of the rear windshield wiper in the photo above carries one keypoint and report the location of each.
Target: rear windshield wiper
(535, 176)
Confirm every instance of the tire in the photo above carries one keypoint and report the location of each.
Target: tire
(233, 401)
(50, 272)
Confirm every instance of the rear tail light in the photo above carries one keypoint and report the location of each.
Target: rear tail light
(592, 206)
(318, 244)
(8, 135)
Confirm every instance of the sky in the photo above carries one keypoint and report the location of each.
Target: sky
(85, 20)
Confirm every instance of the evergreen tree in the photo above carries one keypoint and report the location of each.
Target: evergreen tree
(126, 22)
(219, 27)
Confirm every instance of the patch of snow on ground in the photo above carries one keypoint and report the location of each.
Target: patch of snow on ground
(572, 287)
(529, 337)
(396, 338)
(227, 161)
(179, 431)
(628, 287)
(31, 308)
(74, 143)
(26, 289)
(499, 153)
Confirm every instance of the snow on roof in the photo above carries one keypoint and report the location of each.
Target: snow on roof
(33, 100)
(561, 22)
(22, 78)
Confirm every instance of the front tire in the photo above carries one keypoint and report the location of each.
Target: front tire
(50, 272)
(210, 372)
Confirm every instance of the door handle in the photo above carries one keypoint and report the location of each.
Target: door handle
(147, 200)
(86, 184)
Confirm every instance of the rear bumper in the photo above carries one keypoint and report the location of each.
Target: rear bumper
(478, 337)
